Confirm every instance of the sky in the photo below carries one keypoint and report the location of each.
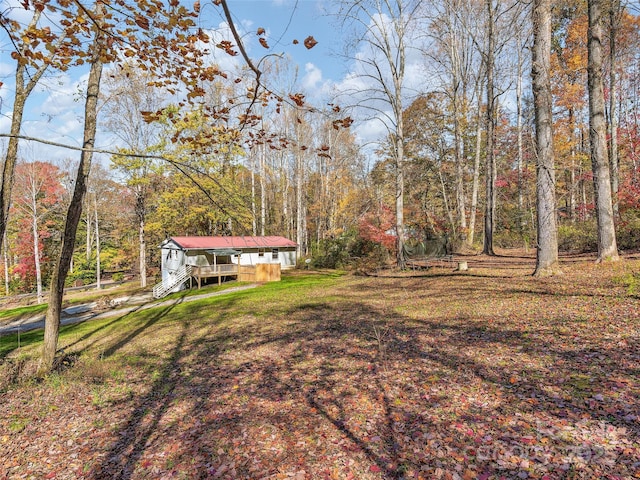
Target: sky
(54, 111)
(289, 20)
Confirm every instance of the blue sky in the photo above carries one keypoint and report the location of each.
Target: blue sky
(54, 111)
(286, 20)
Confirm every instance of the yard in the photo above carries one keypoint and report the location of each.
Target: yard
(489, 373)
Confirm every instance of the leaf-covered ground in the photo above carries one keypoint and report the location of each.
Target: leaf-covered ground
(485, 374)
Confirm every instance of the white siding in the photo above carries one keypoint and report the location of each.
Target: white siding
(173, 257)
(286, 257)
(172, 260)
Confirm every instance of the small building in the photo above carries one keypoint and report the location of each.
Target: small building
(188, 258)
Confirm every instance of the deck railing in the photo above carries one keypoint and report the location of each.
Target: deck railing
(163, 288)
(215, 270)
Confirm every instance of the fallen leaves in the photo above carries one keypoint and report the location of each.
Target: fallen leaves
(295, 386)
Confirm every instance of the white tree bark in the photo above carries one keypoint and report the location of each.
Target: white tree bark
(547, 251)
(607, 246)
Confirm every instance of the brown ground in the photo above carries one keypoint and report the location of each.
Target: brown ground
(489, 373)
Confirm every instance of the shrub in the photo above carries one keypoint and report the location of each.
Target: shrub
(332, 253)
(628, 233)
(578, 237)
(83, 269)
(511, 239)
(117, 277)
(349, 250)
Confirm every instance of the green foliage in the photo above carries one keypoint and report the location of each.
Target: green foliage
(109, 257)
(349, 250)
(332, 253)
(628, 232)
(511, 239)
(631, 281)
(117, 277)
(578, 237)
(83, 269)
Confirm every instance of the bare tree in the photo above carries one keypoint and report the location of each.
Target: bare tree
(615, 13)
(128, 94)
(475, 183)
(385, 27)
(26, 79)
(607, 246)
(454, 52)
(491, 173)
(547, 251)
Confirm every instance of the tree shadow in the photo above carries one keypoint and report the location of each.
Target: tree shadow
(330, 381)
(143, 422)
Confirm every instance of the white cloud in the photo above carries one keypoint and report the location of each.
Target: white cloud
(62, 95)
(5, 123)
(312, 77)
(362, 90)
(7, 69)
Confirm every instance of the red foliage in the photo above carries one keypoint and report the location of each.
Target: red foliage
(39, 182)
(379, 228)
(510, 178)
(629, 192)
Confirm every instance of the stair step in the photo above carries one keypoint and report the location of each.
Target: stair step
(162, 290)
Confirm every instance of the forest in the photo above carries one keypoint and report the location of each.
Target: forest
(204, 150)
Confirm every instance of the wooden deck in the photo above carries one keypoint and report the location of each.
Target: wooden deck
(267, 272)
(213, 271)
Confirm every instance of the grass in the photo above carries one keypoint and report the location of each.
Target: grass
(490, 374)
(22, 312)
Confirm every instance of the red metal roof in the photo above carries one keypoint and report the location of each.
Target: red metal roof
(195, 243)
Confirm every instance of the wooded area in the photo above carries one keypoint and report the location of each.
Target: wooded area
(554, 136)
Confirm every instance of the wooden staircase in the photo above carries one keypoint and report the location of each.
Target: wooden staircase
(163, 289)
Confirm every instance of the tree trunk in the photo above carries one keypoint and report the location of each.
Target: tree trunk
(457, 136)
(614, 12)
(607, 247)
(400, 260)
(5, 252)
(476, 170)
(143, 253)
(520, 161)
(11, 158)
(98, 273)
(254, 213)
(36, 243)
(74, 212)
(445, 200)
(88, 241)
(300, 234)
(22, 93)
(395, 99)
(574, 188)
(491, 174)
(141, 215)
(547, 251)
(263, 190)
